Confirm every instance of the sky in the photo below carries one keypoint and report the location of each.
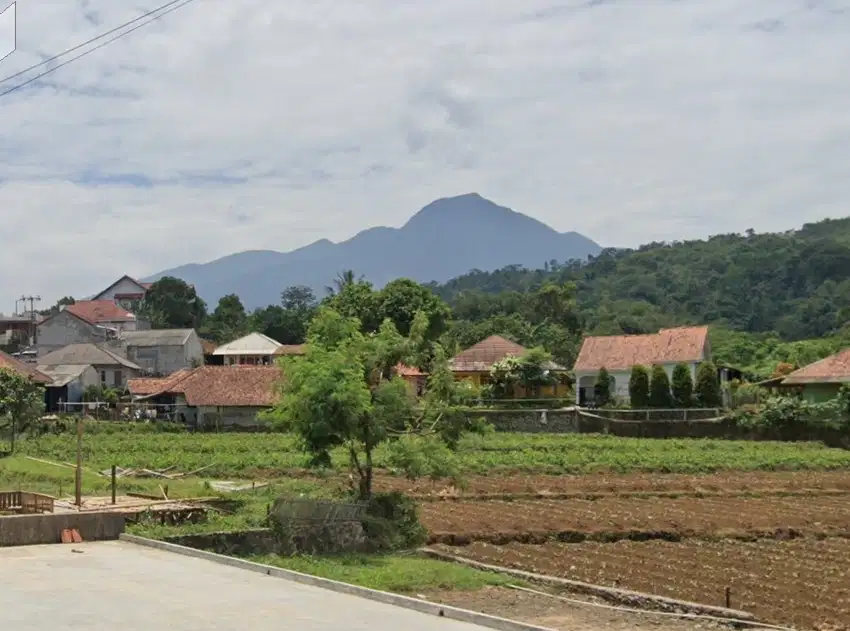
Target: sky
(259, 124)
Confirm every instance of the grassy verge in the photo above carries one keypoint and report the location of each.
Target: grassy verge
(402, 574)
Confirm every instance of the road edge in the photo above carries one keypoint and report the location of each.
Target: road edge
(406, 602)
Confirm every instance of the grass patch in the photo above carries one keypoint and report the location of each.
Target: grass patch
(402, 574)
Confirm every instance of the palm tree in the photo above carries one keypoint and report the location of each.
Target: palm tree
(343, 279)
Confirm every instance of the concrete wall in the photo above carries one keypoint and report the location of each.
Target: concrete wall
(228, 416)
(64, 329)
(24, 530)
(167, 359)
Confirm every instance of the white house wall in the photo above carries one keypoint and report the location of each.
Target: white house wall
(125, 286)
(622, 377)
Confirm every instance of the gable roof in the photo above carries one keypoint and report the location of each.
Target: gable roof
(482, 356)
(64, 374)
(226, 386)
(155, 385)
(143, 286)
(99, 311)
(91, 354)
(251, 344)
(832, 369)
(156, 337)
(10, 363)
(621, 352)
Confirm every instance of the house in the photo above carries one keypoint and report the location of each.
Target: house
(18, 328)
(86, 322)
(126, 292)
(162, 351)
(619, 353)
(69, 383)
(476, 362)
(215, 396)
(28, 370)
(113, 369)
(255, 349)
(415, 378)
(820, 381)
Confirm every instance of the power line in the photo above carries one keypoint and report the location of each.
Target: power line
(179, 4)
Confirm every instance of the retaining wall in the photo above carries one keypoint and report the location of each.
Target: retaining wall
(24, 530)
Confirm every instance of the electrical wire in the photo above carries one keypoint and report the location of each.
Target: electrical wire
(174, 4)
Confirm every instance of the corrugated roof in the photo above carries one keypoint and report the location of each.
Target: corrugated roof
(62, 375)
(226, 386)
(100, 311)
(832, 369)
(621, 352)
(90, 354)
(482, 356)
(251, 344)
(156, 337)
(10, 363)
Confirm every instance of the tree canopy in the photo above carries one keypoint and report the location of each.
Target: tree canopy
(21, 403)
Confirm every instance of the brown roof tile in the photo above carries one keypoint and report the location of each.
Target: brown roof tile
(149, 385)
(403, 370)
(98, 311)
(291, 349)
(10, 363)
(621, 352)
(832, 369)
(227, 386)
(482, 356)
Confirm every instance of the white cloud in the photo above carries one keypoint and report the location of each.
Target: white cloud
(627, 121)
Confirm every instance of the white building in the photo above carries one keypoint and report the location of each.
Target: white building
(255, 349)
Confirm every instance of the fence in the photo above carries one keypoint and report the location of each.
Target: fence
(122, 411)
(25, 503)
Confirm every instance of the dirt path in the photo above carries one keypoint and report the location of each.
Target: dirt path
(561, 616)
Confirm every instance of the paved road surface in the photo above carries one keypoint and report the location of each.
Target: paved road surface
(122, 586)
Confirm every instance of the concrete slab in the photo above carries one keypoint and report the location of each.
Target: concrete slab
(120, 585)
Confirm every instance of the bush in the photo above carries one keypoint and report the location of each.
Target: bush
(392, 523)
(707, 387)
(602, 388)
(791, 418)
(639, 388)
(659, 388)
(683, 386)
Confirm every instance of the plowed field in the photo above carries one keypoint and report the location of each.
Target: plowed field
(805, 582)
(613, 518)
(716, 483)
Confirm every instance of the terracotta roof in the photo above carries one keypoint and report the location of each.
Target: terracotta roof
(227, 386)
(99, 311)
(832, 369)
(148, 385)
(482, 356)
(403, 370)
(10, 363)
(621, 352)
(291, 349)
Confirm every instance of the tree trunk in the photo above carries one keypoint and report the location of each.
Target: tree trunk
(366, 478)
(14, 433)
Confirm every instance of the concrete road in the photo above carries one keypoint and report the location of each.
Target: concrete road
(118, 585)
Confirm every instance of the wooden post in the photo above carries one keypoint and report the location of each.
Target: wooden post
(728, 598)
(114, 481)
(78, 477)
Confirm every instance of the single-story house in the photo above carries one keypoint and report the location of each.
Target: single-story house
(113, 369)
(126, 292)
(820, 381)
(254, 349)
(88, 322)
(619, 353)
(416, 379)
(217, 395)
(476, 362)
(162, 351)
(69, 384)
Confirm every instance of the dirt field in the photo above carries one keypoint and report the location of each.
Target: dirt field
(805, 582)
(532, 521)
(725, 483)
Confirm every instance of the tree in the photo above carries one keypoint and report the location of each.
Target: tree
(659, 388)
(171, 303)
(639, 388)
(56, 308)
(344, 393)
(356, 299)
(529, 371)
(21, 403)
(400, 300)
(228, 322)
(707, 386)
(602, 395)
(682, 386)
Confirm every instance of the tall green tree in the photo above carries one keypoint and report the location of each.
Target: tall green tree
(602, 394)
(356, 299)
(400, 300)
(707, 386)
(659, 388)
(639, 387)
(21, 403)
(344, 393)
(171, 303)
(228, 322)
(682, 386)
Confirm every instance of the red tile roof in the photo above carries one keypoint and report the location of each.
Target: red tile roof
(150, 385)
(226, 386)
(621, 352)
(832, 369)
(482, 356)
(403, 370)
(291, 349)
(99, 311)
(10, 363)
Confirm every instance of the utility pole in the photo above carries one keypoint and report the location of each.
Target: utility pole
(32, 300)
(78, 476)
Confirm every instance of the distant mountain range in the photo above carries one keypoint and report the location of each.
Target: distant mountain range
(445, 239)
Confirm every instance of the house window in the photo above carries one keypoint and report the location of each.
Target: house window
(119, 378)
(103, 376)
